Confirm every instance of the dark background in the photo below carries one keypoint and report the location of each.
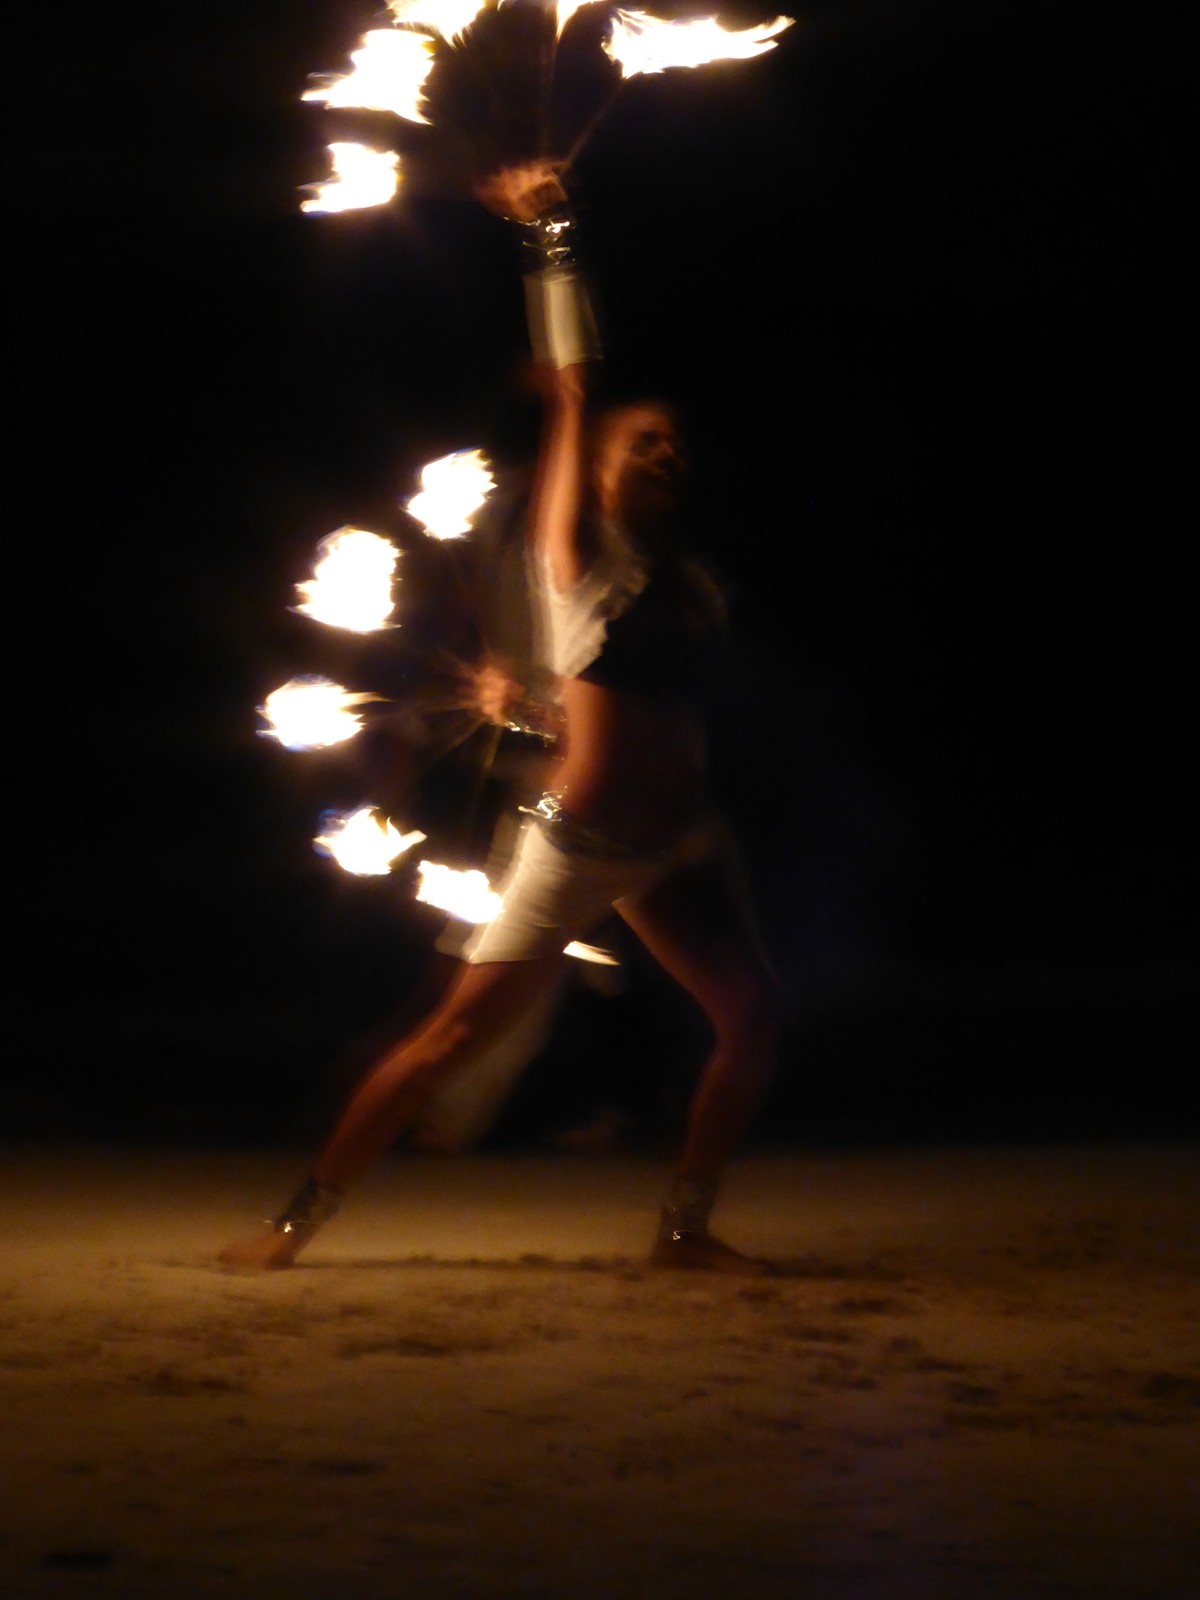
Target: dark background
(916, 280)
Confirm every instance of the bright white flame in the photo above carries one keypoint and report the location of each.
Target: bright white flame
(465, 895)
(469, 897)
(567, 9)
(590, 952)
(361, 177)
(389, 72)
(642, 43)
(450, 18)
(362, 842)
(351, 586)
(312, 714)
(452, 491)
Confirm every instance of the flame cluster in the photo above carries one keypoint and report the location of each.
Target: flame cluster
(364, 843)
(352, 586)
(389, 72)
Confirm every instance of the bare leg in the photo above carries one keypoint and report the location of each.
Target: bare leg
(696, 926)
(481, 1002)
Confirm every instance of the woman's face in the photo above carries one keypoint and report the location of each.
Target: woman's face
(639, 465)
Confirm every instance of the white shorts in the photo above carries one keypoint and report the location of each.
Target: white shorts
(553, 896)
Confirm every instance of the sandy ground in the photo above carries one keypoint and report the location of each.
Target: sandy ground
(974, 1373)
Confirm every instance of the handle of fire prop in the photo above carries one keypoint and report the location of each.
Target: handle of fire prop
(562, 325)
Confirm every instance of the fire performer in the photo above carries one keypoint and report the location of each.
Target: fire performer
(624, 824)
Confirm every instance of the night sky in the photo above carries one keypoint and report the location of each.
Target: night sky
(916, 281)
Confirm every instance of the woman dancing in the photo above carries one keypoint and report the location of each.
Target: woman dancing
(624, 825)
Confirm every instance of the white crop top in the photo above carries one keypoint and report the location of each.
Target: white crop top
(576, 619)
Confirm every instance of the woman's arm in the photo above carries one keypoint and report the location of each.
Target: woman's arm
(555, 520)
(563, 335)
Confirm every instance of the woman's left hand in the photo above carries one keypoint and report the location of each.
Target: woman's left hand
(492, 691)
(523, 194)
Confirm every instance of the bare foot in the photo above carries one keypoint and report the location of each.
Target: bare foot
(267, 1252)
(701, 1252)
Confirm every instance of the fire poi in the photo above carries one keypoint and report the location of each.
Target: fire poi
(452, 491)
(363, 842)
(312, 714)
(351, 585)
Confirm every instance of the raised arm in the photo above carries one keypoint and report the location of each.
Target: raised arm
(563, 335)
(555, 522)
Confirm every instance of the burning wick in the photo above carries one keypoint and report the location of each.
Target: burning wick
(452, 491)
(642, 43)
(590, 952)
(351, 586)
(362, 842)
(465, 895)
(469, 897)
(362, 177)
(311, 714)
(389, 73)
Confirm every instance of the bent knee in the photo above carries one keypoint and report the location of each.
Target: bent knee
(748, 1013)
(427, 1060)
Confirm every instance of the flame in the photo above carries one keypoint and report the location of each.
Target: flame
(389, 72)
(590, 952)
(311, 714)
(469, 897)
(642, 43)
(362, 842)
(361, 177)
(465, 895)
(351, 586)
(450, 18)
(566, 10)
(452, 491)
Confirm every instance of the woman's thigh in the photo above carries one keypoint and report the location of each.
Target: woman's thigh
(698, 925)
(483, 1000)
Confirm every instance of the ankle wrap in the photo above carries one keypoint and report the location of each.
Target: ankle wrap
(312, 1206)
(688, 1208)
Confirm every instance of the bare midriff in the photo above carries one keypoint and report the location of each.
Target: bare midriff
(633, 768)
